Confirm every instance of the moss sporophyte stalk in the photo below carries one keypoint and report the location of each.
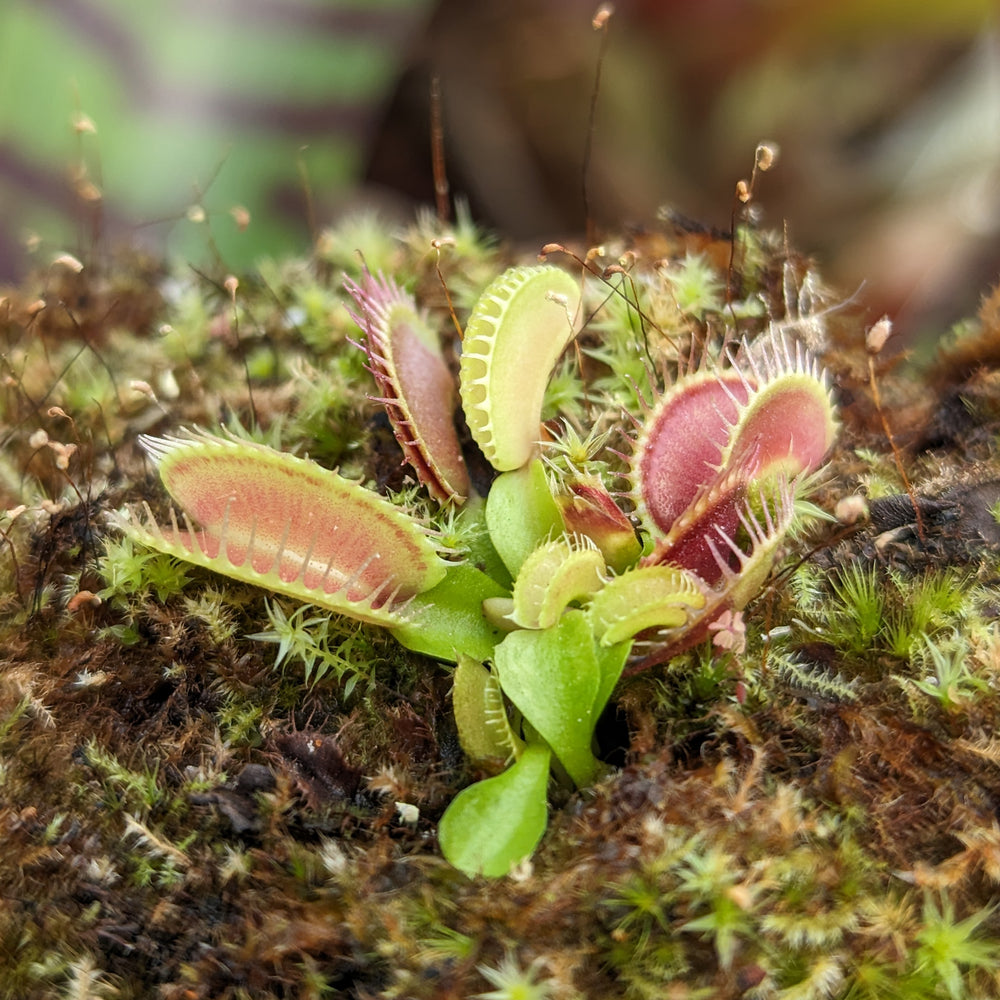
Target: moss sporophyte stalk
(605, 538)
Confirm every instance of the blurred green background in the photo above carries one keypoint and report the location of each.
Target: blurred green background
(120, 115)
(887, 114)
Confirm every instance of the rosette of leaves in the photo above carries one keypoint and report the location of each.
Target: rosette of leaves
(566, 589)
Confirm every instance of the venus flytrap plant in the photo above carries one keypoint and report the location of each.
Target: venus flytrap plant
(561, 592)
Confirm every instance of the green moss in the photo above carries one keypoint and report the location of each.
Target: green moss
(696, 287)
(320, 644)
(134, 574)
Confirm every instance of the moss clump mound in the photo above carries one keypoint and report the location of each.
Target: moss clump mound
(206, 791)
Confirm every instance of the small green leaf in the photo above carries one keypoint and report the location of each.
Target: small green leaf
(492, 825)
(521, 514)
(448, 619)
(477, 544)
(555, 680)
(611, 662)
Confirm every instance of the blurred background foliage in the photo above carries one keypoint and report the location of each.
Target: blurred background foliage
(121, 118)
(122, 115)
